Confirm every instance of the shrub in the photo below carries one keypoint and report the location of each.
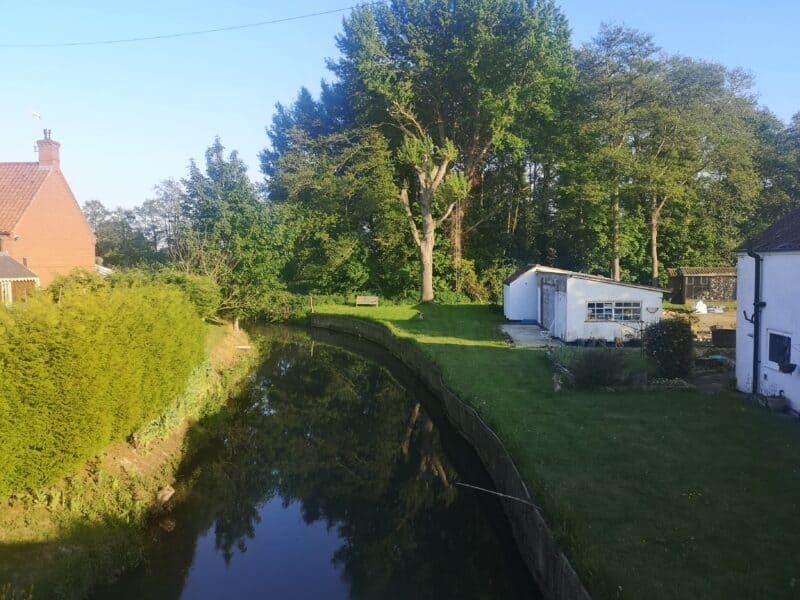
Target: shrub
(282, 306)
(598, 367)
(493, 276)
(203, 292)
(670, 344)
(85, 364)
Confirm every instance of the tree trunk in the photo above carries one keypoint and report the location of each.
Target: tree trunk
(236, 324)
(654, 219)
(429, 181)
(426, 257)
(615, 217)
(456, 248)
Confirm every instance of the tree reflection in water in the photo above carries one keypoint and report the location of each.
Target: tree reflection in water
(336, 434)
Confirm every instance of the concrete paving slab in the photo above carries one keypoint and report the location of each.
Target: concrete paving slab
(529, 335)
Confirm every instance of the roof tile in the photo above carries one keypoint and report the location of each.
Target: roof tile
(718, 271)
(19, 183)
(11, 269)
(783, 236)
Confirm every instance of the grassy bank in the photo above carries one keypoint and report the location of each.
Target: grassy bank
(61, 541)
(668, 495)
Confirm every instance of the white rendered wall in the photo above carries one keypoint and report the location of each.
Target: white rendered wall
(521, 298)
(582, 291)
(780, 289)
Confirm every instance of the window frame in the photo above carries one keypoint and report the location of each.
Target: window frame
(615, 306)
(769, 362)
(603, 304)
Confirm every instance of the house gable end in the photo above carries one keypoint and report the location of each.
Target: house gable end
(53, 234)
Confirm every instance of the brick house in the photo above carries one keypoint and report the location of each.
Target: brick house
(42, 227)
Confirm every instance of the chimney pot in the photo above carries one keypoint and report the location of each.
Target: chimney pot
(49, 155)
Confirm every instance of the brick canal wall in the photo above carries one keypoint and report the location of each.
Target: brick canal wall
(544, 559)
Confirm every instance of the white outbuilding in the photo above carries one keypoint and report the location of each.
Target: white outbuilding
(576, 306)
(768, 323)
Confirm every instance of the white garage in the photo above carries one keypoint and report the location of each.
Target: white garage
(575, 306)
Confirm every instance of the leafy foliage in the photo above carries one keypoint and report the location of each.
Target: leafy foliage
(202, 291)
(670, 344)
(598, 367)
(459, 136)
(86, 365)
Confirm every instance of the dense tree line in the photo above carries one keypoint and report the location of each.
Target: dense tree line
(458, 140)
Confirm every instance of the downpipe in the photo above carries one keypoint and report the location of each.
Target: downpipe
(758, 306)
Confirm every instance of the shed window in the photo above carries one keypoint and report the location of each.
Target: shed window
(601, 311)
(780, 348)
(614, 311)
(697, 285)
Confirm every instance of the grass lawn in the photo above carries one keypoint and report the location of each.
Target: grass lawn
(668, 495)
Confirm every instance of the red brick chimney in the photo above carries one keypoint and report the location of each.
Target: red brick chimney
(48, 151)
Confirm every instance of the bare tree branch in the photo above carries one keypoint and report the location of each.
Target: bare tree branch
(446, 214)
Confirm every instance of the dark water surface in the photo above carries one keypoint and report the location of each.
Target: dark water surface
(333, 476)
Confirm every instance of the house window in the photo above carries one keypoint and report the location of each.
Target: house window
(780, 348)
(614, 311)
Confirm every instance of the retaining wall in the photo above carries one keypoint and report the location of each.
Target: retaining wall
(548, 565)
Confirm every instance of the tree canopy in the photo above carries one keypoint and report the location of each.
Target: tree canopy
(459, 139)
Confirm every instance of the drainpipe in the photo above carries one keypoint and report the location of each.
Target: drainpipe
(758, 305)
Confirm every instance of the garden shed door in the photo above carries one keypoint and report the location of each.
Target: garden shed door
(559, 328)
(548, 305)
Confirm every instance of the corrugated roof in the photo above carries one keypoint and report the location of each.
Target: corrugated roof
(518, 274)
(719, 271)
(11, 269)
(783, 236)
(599, 278)
(19, 183)
(576, 274)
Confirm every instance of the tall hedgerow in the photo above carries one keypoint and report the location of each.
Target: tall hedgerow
(85, 365)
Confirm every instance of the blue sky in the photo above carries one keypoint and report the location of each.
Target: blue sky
(131, 115)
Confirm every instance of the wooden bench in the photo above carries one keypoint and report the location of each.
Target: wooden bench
(366, 301)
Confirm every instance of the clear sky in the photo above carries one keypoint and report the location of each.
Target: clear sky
(130, 115)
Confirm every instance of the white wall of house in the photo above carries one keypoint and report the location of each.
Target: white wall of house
(780, 289)
(580, 292)
(521, 298)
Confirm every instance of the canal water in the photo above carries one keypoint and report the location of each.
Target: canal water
(334, 475)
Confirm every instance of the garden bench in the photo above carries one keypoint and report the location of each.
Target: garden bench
(366, 301)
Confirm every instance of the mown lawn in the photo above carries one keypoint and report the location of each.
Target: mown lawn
(668, 495)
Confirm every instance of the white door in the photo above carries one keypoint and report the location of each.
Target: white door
(548, 306)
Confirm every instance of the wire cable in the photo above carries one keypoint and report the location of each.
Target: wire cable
(167, 36)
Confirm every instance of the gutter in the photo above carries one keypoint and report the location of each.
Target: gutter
(758, 306)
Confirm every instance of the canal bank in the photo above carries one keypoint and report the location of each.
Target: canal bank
(60, 542)
(544, 559)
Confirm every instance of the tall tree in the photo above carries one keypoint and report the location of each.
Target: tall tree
(338, 190)
(615, 83)
(233, 236)
(778, 160)
(692, 135)
(454, 79)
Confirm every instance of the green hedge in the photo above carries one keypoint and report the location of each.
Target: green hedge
(86, 365)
